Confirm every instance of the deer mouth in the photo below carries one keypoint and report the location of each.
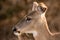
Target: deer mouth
(24, 36)
(17, 33)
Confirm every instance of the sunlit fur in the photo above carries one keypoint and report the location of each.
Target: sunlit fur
(38, 27)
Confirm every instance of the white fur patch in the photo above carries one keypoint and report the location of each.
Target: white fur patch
(17, 34)
(34, 33)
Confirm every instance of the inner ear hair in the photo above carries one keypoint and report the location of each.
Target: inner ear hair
(43, 7)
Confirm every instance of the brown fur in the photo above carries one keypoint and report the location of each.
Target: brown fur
(35, 23)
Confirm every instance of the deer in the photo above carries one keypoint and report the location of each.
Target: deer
(34, 23)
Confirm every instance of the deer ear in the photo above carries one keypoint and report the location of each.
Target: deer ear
(42, 7)
(35, 5)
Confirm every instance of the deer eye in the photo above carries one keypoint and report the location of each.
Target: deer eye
(28, 19)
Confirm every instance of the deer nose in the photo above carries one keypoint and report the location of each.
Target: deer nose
(15, 30)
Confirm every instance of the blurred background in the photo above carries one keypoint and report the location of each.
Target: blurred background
(11, 11)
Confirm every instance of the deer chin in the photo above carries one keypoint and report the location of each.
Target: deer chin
(17, 34)
(33, 32)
